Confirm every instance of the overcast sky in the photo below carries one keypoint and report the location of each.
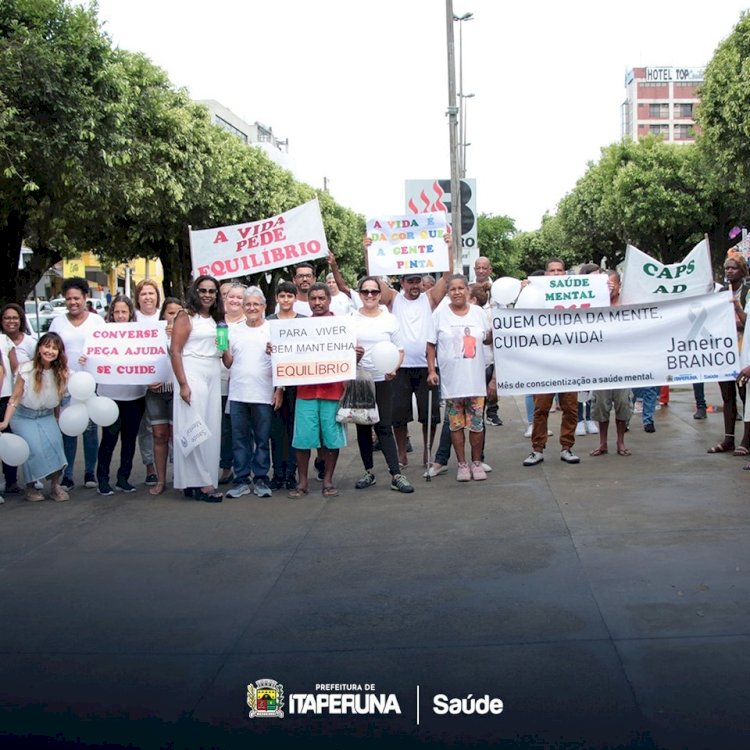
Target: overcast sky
(360, 88)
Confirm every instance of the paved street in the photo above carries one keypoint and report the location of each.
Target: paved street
(606, 604)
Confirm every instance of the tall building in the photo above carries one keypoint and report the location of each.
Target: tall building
(661, 101)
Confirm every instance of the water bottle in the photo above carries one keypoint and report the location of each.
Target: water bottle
(222, 336)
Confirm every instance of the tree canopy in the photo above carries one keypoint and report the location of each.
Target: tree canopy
(99, 151)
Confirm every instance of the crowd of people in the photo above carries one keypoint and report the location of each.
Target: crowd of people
(261, 436)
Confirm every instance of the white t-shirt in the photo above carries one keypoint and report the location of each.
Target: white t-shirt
(415, 321)
(26, 349)
(143, 318)
(74, 337)
(370, 331)
(341, 304)
(250, 378)
(460, 351)
(121, 392)
(5, 346)
(301, 307)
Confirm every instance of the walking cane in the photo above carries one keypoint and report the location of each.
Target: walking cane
(428, 435)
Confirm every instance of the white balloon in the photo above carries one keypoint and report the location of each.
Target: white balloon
(74, 419)
(81, 385)
(530, 298)
(505, 290)
(385, 356)
(102, 410)
(14, 450)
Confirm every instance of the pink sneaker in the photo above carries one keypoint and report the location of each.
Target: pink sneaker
(464, 473)
(477, 471)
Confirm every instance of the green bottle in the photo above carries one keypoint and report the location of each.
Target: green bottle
(222, 336)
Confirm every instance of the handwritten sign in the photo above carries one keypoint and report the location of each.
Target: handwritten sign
(407, 244)
(128, 353)
(242, 249)
(305, 351)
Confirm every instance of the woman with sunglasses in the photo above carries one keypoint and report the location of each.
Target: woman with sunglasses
(196, 363)
(373, 324)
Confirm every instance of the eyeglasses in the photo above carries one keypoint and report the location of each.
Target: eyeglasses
(303, 276)
(203, 290)
(367, 292)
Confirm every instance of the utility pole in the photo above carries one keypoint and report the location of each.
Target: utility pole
(452, 113)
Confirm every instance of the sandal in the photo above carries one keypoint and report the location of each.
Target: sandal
(740, 450)
(330, 492)
(599, 452)
(721, 448)
(297, 493)
(158, 488)
(207, 497)
(623, 452)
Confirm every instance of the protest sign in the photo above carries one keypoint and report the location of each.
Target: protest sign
(407, 244)
(128, 353)
(589, 290)
(684, 340)
(645, 279)
(305, 351)
(258, 246)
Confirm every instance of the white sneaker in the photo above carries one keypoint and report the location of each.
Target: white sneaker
(569, 457)
(591, 427)
(528, 432)
(534, 458)
(487, 468)
(581, 428)
(433, 472)
(550, 433)
(239, 490)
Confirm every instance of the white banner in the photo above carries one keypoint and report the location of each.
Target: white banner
(589, 290)
(305, 351)
(683, 340)
(128, 353)
(243, 249)
(645, 279)
(407, 244)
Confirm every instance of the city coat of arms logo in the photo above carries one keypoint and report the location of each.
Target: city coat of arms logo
(266, 699)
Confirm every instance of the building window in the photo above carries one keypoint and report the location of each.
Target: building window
(658, 111)
(683, 110)
(659, 130)
(230, 128)
(684, 132)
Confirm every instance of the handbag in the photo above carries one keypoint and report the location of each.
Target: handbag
(357, 404)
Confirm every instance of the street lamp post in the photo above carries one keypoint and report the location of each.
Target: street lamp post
(452, 113)
(461, 116)
(462, 143)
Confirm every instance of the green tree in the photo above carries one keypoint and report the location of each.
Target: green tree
(59, 96)
(494, 238)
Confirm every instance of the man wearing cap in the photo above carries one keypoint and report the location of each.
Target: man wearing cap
(413, 310)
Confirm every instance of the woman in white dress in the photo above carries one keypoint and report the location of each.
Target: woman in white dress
(197, 372)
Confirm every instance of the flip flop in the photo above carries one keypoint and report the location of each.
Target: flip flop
(598, 452)
(297, 493)
(623, 452)
(330, 492)
(740, 450)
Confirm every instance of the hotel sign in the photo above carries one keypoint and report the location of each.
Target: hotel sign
(665, 75)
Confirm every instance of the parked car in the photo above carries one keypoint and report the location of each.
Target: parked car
(39, 316)
(99, 305)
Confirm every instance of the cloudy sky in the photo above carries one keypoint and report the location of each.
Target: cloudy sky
(360, 88)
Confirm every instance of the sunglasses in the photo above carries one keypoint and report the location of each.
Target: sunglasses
(368, 292)
(203, 290)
